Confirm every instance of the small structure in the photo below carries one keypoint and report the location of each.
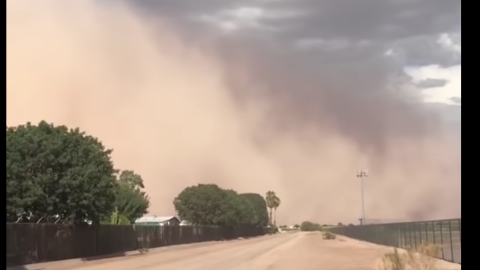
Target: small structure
(185, 223)
(158, 221)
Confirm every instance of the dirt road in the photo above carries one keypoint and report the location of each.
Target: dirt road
(303, 251)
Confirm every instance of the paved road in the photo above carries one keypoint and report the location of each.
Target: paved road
(303, 251)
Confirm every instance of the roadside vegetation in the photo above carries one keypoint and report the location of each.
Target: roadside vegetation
(328, 235)
(421, 258)
(308, 226)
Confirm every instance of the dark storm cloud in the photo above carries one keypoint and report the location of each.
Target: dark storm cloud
(425, 50)
(329, 57)
(380, 20)
(431, 83)
(411, 27)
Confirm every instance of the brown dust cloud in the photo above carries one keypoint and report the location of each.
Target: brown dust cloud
(184, 112)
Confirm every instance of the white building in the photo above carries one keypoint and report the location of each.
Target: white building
(158, 220)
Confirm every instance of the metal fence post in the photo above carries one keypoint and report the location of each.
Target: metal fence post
(415, 235)
(460, 229)
(451, 240)
(410, 243)
(395, 235)
(419, 228)
(441, 240)
(426, 232)
(433, 231)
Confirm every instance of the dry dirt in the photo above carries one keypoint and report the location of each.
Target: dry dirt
(303, 251)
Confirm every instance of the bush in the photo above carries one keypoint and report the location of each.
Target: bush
(53, 172)
(272, 230)
(259, 208)
(421, 258)
(308, 226)
(208, 204)
(328, 236)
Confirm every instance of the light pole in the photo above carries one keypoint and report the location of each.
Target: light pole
(361, 174)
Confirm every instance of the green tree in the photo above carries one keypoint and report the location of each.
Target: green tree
(259, 206)
(270, 199)
(116, 219)
(308, 226)
(202, 204)
(53, 171)
(131, 178)
(131, 201)
(276, 204)
(238, 211)
(208, 204)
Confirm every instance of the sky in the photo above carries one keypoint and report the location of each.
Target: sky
(420, 39)
(256, 95)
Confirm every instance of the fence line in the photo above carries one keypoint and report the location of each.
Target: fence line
(445, 233)
(34, 243)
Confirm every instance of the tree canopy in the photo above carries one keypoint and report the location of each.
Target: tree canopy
(308, 226)
(208, 204)
(56, 172)
(273, 202)
(131, 201)
(259, 207)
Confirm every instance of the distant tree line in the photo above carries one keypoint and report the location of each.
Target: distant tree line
(61, 175)
(309, 226)
(208, 204)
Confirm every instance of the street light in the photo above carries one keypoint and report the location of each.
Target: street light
(361, 174)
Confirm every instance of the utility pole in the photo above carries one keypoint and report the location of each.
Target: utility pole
(361, 174)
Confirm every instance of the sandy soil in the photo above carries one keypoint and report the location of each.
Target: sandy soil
(303, 251)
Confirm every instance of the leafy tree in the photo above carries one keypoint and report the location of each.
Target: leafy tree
(238, 211)
(131, 178)
(53, 171)
(259, 208)
(208, 204)
(296, 226)
(116, 219)
(270, 199)
(308, 226)
(202, 204)
(131, 201)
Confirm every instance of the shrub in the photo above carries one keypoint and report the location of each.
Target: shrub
(272, 230)
(308, 226)
(328, 235)
(421, 258)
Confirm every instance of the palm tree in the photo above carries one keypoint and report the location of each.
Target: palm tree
(270, 200)
(276, 204)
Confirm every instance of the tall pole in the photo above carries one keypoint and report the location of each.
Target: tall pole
(361, 174)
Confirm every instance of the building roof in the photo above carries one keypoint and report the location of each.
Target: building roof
(155, 219)
(185, 223)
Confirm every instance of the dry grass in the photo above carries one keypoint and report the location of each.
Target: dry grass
(328, 236)
(421, 258)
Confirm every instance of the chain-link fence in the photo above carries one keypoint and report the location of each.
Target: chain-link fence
(445, 233)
